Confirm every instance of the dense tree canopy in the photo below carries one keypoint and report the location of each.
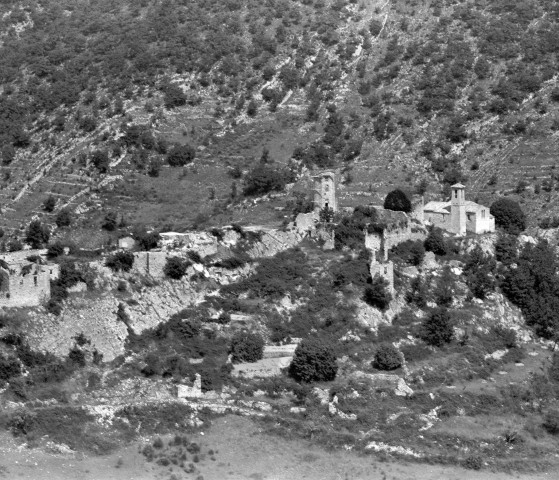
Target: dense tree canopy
(314, 361)
(508, 215)
(397, 200)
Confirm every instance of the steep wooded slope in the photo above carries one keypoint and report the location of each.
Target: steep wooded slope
(389, 92)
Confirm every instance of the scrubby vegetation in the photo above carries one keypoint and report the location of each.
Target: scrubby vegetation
(313, 361)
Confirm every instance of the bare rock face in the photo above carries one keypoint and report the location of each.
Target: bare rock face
(486, 242)
(273, 242)
(497, 310)
(372, 317)
(429, 262)
(386, 381)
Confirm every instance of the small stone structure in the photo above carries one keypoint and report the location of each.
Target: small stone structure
(325, 191)
(126, 243)
(459, 215)
(23, 282)
(203, 243)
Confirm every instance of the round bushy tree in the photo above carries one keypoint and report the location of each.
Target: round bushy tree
(397, 200)
(175, 267)
(64, 218)
(437, 328)
(435, 242)
(263, 179)
(377, 294)
(180, 155)
(508, 215)
(37, 234)
(387, 357)
(49, 203)
(313, 361)
(246, 347)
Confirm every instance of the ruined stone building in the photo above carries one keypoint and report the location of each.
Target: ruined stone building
(325, 191)
(459, 215)
(25, 279)
(390, 229)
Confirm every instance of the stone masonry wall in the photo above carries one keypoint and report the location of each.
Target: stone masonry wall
(150, 263)
(29, 290)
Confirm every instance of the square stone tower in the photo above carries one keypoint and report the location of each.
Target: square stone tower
(325, 191)
(458, 209)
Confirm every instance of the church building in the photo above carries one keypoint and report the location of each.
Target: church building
(459, 216)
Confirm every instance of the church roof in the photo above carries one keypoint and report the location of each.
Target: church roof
(438, 207)
(444, 207)
(457, 185)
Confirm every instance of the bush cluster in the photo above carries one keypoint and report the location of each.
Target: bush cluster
(120, 261)
(387, 357)
(314, 361)
(246, 347)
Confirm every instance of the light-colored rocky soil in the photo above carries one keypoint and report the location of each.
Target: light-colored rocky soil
(244, 452)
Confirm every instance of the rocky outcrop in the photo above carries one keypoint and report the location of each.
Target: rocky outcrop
(273, 242)
(384, 381)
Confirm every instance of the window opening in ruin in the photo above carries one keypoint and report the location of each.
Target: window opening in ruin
(35, 280)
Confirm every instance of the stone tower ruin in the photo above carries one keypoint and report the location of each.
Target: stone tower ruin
(325, 191)
(458, 209)
(377, 246)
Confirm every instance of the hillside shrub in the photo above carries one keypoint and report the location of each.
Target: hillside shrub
(352, 271)
(63, 218)
(110, 222)
(49, 204)
(532, 286)
(37, 234)
(473, 462)
(410, 251)
(387, 357)
(180, 155)
(9, 367)
(377, 294)
(479, 271)
(246, 347)
(437, 328)
(508, 216)
(173, 96)
(553, 370)
(275, 277)
(100, 159)
(397, 200)
(435, 242)
(506, 249)
(314, 361)
(146, 240)
(551, 421)
(120, 261)
(349, 232)
(264, 178)
(175, 267)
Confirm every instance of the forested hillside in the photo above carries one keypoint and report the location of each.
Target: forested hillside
(103, 102)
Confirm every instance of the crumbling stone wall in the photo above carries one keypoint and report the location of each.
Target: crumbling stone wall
(28, 286)
(150, 264)
(203, 243)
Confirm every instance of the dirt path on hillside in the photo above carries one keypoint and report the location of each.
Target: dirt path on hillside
(242, 452)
